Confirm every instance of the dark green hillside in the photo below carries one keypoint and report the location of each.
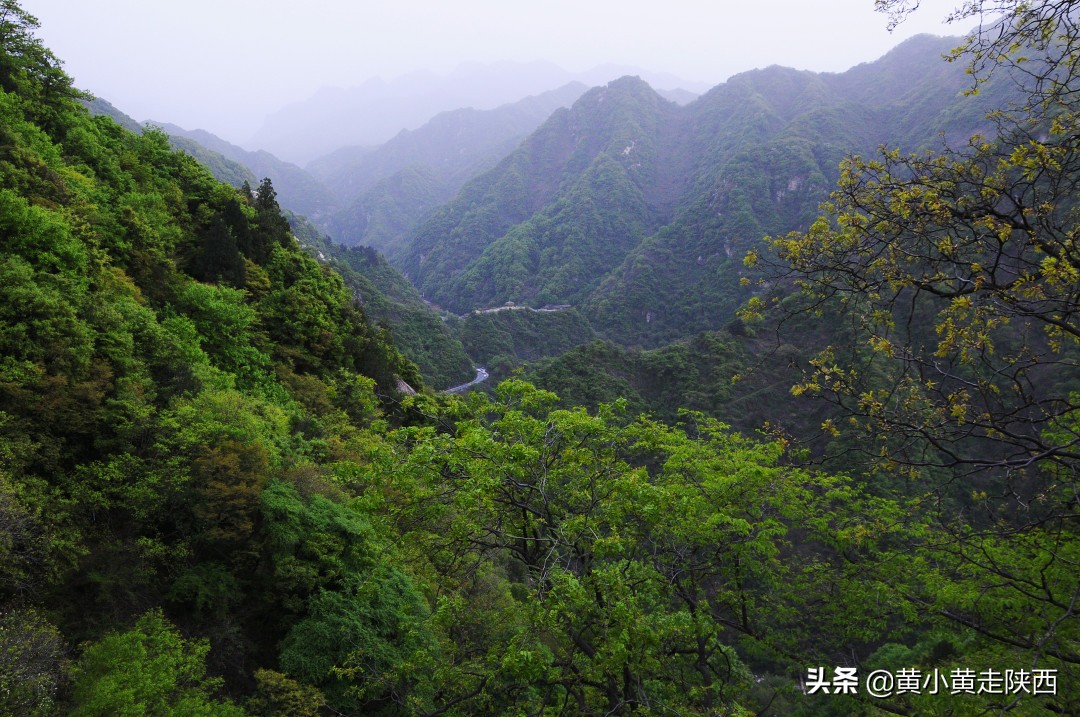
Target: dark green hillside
(502, 339)
(389, 299)
(686, 277)
(744, 381)
(768, 144)
(168, 355)
(418, 331)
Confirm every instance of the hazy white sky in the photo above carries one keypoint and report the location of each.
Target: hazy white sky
(223, 65)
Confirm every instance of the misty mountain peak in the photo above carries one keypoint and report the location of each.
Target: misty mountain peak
(376, 110)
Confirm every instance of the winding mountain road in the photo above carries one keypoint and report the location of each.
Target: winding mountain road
(481, 376)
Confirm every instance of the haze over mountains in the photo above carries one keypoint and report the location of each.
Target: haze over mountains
(354, 192)
(384, 190)
(376, 110)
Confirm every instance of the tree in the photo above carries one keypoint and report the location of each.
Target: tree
(148, 670)
(958, 274)
(218, 258)
(598, 565)
(362, 618)
(28, 67)
(1004, 27)
(980, 241)
(278, 694)
(272, 228)
(32, 664)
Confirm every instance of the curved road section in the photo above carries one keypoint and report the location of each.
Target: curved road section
(481, 376)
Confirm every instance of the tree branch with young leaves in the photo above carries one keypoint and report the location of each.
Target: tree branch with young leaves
(960, 273)
(954, 277)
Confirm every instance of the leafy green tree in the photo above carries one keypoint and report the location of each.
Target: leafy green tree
(363, 620)
(980, 241)
(628, 561)
(27, 66)
(219, 258)
(958, 274)
(148, 670)
(277, 694)
(272, 229)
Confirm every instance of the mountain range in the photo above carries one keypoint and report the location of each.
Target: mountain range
(375, 111)
(383, 191)
(634, 209)
(639, 211)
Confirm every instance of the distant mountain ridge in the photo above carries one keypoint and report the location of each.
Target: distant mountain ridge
(632, 208)
(376, 110)
(374, 196)
(450, 143)
(386, 190)
(297, 189)
(640, 211)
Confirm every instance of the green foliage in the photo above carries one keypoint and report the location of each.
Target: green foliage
(313, 544)
(636, 555)
(297, 190)
(197, 415)
(166, 350)
(277, 694)
(28, 68)
(148, 670)
(223, 169)
(364, 619)
(954, 272)
(32, 664)
(359, 644)
(226, 324)
(389, 299)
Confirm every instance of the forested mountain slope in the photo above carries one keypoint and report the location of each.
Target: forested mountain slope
(224, 169)
(382, 290)
(297, 189)
(639, 211)
(389, 299)
(387, 190)
(167, 352)
(581, 190)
